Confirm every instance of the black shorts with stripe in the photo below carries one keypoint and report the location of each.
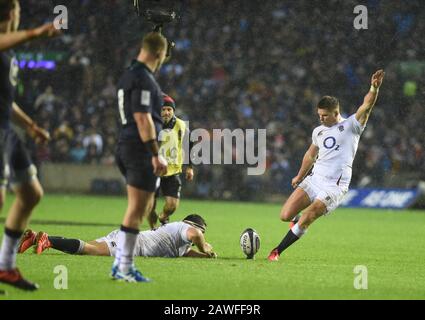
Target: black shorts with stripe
(170, 186)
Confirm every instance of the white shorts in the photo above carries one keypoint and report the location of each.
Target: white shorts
(326, 191)
(111, 241)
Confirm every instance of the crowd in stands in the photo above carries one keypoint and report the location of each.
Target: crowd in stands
(240, 64)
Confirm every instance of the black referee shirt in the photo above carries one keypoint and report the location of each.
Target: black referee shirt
(138, 91)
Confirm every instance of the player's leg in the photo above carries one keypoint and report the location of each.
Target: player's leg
(70, 246)
(42, 241)
(153, 216)
(94, 248)
(25, 184)
(310, 214)
(171, 188)
(297, 201)
(137, 168)
(28, 193)
(27, 196)
(140, 203)
(170, 206)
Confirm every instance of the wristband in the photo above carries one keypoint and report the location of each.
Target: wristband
(153, 147)
(374, 89)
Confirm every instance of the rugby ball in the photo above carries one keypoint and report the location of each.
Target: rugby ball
(250, 242)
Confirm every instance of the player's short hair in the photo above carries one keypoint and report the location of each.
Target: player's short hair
(154, 42)
(5, 7)
(328, 103)
(196, 221)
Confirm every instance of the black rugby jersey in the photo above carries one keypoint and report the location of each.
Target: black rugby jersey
(138, 91)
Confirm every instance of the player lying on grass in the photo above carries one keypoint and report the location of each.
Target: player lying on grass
(171, 240)
(334, 146)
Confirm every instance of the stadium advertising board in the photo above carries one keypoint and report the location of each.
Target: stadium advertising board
(380, 198)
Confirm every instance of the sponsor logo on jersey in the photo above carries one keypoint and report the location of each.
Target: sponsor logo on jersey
(329, 142)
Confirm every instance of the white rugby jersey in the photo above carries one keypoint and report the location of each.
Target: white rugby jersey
(337, 148)
(169, 240)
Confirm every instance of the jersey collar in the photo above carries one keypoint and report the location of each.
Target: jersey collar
(341, 119)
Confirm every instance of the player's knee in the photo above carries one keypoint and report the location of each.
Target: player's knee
(286, 215)
(30, 196)
(35, 196)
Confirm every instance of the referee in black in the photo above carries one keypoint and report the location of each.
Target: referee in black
(140, 102)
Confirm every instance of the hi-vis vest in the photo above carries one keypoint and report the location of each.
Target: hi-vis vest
(172, 147)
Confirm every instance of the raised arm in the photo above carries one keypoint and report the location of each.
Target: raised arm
(308, 161)
(13, 39)
(364, 111)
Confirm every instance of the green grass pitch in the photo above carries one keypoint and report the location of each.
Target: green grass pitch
(390, 244)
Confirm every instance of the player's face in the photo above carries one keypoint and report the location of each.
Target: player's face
(167, 114)
(327, 118)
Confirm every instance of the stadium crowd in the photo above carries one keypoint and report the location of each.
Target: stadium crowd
(264, 67)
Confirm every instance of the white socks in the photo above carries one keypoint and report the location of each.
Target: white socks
(298, 231)
(9, 249)
(125, 248)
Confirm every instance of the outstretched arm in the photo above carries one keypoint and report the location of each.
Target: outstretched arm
(364, 111)
(13, 39)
